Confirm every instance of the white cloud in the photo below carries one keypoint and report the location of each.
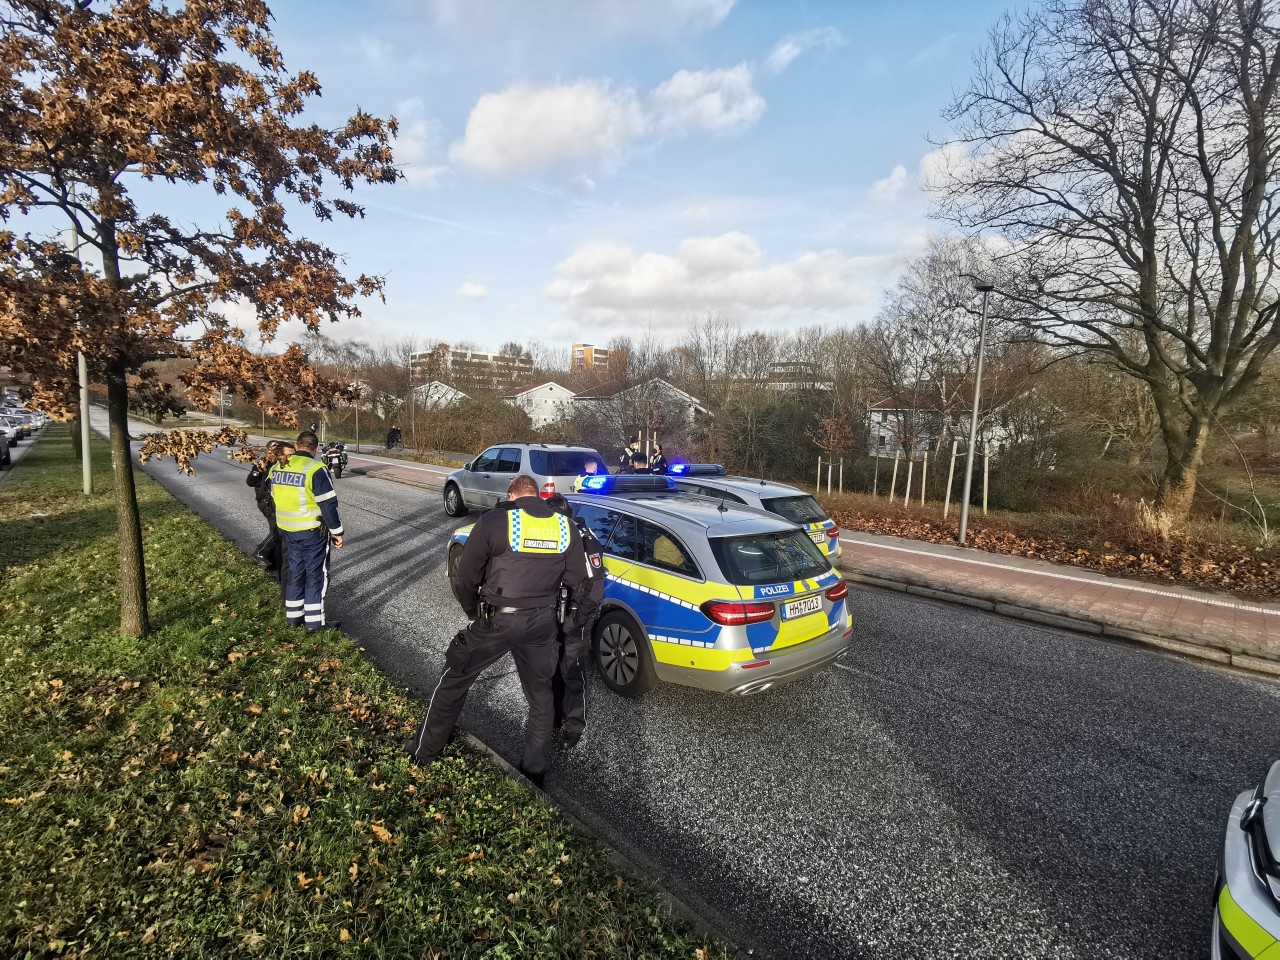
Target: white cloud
(375, 49)
(716, 101)
(473, 291)
(612, 284)
(591, 124)
(416, 143)
(891, 187)
(523, 128)
(786, 50)
(699, 214)
(576, 18)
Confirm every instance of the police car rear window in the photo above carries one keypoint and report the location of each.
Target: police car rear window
(768, 558)
(564, 463)
(803, 509)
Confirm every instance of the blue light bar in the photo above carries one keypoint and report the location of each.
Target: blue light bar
(697, 470)
(627, 483)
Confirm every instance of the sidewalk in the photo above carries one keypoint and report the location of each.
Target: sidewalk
(1208, 626)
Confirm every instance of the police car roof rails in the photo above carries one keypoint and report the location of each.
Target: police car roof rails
(696, 470)
(626, 483)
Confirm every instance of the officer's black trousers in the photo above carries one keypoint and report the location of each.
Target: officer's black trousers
(569, 685)
(530, 637)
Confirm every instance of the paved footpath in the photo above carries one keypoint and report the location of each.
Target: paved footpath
(1210, 626)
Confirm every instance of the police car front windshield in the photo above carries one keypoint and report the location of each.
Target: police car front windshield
(768, 558)
(803, 509)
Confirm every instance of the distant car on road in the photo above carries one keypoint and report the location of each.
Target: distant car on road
(1246, 907)
(483, 482)
(728, 599)
(780, 499)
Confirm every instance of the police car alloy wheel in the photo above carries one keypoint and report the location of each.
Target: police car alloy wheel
(621, 655)
(453, 504)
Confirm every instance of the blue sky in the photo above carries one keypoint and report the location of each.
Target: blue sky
(579, 169)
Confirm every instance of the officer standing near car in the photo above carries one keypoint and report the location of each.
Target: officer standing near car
(307, 515)
(628, 455)
(569, 687)
(509, 576)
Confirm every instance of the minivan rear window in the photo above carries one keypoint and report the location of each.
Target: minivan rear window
(802, 509)
(768, 558)
(564, 463)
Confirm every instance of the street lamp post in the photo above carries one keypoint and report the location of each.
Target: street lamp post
(986, 289)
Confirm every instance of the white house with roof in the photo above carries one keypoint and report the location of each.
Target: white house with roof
(436, 395)
(545, 404)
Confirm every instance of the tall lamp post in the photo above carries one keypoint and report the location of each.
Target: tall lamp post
(986, 289)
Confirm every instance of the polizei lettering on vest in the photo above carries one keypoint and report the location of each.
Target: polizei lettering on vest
(287, 478)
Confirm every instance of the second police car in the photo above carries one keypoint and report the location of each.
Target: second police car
(790, 503)
(707, 594)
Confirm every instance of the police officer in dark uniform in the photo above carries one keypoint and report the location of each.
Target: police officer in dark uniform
(509, 576)
(576, 625)
(628, 455)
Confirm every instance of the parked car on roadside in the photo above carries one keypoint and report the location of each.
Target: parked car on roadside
(483, 482)
(6, 458)
(18, 430)
(790, 503)
(1246, 902)
(725, 598)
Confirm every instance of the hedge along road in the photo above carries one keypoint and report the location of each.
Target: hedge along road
(962, 785)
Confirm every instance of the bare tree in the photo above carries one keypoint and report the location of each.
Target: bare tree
(1125, 150)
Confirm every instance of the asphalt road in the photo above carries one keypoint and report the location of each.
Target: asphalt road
(962, 785)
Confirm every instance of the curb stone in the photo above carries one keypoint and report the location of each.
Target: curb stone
(704, 918)
(1055, 617)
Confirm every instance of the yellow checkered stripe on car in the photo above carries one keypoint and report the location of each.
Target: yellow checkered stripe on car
(1244, 929)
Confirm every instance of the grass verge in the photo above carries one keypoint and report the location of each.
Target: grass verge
(232, 786)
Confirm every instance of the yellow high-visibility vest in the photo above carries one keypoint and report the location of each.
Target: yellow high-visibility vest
(296, 506)
(537, 535)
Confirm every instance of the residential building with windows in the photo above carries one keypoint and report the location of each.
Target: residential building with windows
(545, 404)
(584, 356)
(471, 369)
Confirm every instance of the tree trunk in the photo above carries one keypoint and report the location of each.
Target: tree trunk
(133, 575)
(1178, 483)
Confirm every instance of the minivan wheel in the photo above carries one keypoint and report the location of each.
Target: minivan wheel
(621, 652)
(453, 504)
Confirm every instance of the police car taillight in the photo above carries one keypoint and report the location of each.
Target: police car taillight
(839, 591)
(729, 613)
(548, 490)
(833, 532)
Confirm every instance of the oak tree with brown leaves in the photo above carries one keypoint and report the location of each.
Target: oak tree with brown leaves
(103, 106)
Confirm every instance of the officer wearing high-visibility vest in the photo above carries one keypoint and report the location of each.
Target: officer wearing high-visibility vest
(307, 515)
(515, 560)
(590, 468)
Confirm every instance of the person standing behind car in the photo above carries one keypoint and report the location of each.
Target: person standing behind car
(509, 576)
(307, 515)
(657, 461)
(576, 625)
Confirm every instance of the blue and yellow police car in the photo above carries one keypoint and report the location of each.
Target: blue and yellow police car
(790, 503)
(703, 593)
(1246, 905)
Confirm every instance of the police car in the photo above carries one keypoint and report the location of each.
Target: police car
(1246, 909)
(702, 593)
(790, 503)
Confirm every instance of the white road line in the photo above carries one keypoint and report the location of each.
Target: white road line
(400, 463)
(1067, 576)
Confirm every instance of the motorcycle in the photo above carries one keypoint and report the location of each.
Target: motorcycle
(335, 458)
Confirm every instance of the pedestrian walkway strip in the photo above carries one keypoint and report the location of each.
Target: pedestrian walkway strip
(1228, 604)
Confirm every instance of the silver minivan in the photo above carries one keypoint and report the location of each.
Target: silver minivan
(482, 483)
